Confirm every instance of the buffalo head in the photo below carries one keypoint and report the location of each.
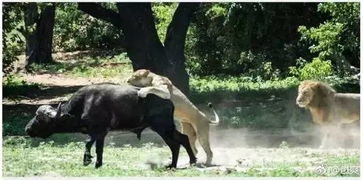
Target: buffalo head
(42, 125)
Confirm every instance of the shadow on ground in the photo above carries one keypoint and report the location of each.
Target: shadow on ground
(12, 95)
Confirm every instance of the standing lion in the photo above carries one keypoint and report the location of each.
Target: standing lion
(194, 123)
(328, 108)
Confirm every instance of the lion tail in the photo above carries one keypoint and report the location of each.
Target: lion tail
(216, 117)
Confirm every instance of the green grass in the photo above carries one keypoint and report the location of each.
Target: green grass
(239, 84)
(22, 158)
(90, 66)
(14, 124)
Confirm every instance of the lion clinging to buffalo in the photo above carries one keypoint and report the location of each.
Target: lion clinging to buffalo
(194, 123)
(327, 107)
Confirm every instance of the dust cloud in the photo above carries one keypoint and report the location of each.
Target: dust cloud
(245, 147)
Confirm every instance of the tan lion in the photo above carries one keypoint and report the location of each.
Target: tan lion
(194, 123)
(152, 83)
(328, 108)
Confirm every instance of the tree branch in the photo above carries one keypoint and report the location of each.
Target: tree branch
(175, 42)
(178, 27)
(97, 11)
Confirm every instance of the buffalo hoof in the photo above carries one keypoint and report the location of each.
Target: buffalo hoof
(171, 166)
(87, 159)
(98, 164)
(193, 162)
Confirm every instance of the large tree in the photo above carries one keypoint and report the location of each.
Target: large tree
(39, 32)
(143, 44)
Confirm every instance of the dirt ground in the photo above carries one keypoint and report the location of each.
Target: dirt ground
(57, 87)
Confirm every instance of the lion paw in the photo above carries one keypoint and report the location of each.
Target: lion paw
(142, 93)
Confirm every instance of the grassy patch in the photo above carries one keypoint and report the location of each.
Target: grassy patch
(14, 124)
(90, 66)
(239, 84)
(49, 159)
(237, 88)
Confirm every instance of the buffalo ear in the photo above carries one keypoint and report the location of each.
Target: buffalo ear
(58, 111)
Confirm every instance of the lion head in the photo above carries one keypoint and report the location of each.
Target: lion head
(140, 78)
(313, 92)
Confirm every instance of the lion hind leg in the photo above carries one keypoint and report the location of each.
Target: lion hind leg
(203, 138)
(162, 92)
(188, 130)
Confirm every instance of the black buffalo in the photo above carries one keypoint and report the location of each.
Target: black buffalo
(96, 109)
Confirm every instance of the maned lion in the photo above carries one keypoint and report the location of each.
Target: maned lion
(328, 108)
(194, 123)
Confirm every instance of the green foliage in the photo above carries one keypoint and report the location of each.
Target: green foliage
(244, 38)
(75, 30)
(317, 69)
(163, 13)
(327, 35)
(257, 66)
(337, 39)
(218, 10)
(13, 39)
(238, 84)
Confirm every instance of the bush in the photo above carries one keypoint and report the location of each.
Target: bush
(13, 39)
(238, 84)
(228, 87)
(337, 39)
(317, 69)
(246, 38)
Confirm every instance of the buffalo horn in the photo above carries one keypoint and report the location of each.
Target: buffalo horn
(58, 110)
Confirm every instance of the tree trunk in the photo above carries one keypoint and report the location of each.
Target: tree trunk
(39, 39)
(175, 43)
(45, 34)
(142, 42)
(30, 21)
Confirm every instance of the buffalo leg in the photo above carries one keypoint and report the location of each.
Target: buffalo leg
(184, 141)
(87, 158)
(99, 149)
(174, 140)
(174, 147)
